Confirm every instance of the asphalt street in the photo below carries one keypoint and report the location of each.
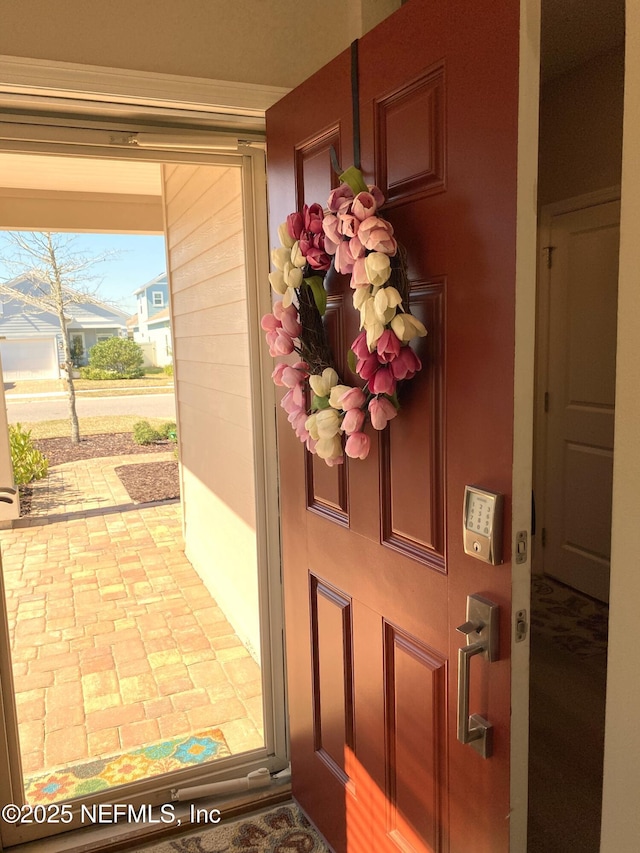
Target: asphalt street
(55, 408)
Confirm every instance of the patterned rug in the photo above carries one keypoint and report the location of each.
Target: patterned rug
(283, 829)
(570, 620)
(91, 776)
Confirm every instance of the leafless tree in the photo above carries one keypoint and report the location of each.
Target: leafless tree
(59, 277)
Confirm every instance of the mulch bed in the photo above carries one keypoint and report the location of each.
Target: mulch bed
(59, 450)
(145, 482)
(150, 481)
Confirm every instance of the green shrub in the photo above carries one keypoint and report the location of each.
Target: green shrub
(168, 430)
(28, 463)
(144, 433)
(97, 373)
(120, 357)
(168, 369)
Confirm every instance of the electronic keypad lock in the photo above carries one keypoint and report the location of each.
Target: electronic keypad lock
(482, 527)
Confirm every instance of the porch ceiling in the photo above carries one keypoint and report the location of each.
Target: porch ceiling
(75, 174)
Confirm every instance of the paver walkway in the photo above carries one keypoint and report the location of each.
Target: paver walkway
(116, 642)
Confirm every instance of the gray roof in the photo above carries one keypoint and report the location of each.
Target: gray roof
(19, 319)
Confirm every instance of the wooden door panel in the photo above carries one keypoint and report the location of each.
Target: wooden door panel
(373, 557)
(413, 520)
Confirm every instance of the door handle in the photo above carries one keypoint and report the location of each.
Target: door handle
(482, 628)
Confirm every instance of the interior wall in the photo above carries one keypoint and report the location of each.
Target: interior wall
(621, 817)
(208, 293)
(581, 129)
(278, 43)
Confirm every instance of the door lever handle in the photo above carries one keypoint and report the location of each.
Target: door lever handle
(470, 628)
(482, 621)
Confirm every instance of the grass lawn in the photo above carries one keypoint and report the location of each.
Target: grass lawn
(113, 386)
(89, 426)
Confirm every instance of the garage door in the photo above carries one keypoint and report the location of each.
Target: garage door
(29, 358)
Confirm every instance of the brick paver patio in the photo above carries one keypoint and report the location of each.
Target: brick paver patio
(116, 642)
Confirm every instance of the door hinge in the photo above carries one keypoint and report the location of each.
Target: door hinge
(546, 401)
(543, 537)
(522, 626)
(549, 250)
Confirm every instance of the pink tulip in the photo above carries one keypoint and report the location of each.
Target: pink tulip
(295, 225)
(344, 259)
(359, 277)
(270, 322)
(382, 381)
(359, 346)
(291, 377)
(406, 365)
(357, 445)
(377, 196)
(364, 205)
(348, 224)
(388, 346)
(291, 324)
(277, 373)
(354, 398)
(340, 198)
(332, 235)
(381, 411)
(353, 421)
(313, 217)
(356, 248)
(377, 235)
(366, 368)
(311, 444)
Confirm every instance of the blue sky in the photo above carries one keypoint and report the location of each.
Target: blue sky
(139, 258)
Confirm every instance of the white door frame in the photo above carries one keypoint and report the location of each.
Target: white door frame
(47, 88)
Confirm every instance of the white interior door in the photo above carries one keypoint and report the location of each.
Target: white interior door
(580, 396)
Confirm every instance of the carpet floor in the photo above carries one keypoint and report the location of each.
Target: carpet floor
(91, 776)
(283, 829)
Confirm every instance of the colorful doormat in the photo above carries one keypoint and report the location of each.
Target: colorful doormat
(568, 619)
(92, 776)
(281, 830)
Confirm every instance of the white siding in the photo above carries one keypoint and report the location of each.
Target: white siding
(205, 247)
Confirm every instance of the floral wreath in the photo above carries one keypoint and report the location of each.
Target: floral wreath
(354, 239)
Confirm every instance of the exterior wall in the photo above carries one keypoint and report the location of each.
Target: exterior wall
(161, 339)
(32, 210)
(621, 817)
(158, 287)
(205, 247)
(91, 338)
(279, 43)
(581, 129)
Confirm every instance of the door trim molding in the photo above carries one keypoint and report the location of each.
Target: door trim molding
(29, 79)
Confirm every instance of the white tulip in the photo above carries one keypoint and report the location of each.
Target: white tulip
(322, 385)
(312, 427)
(292, 275)
(328, 423)
(336, 392)
(378, 268)
(297, 258)
(276, 279)
(285, 238)
(280, 257)
(407, 327)
(329, 448)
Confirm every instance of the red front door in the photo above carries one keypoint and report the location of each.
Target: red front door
(376, 579)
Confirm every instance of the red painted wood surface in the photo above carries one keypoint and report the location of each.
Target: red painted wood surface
(375, 575)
